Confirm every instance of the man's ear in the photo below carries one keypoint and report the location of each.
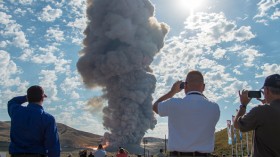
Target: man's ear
(42, 98)
(203, 86)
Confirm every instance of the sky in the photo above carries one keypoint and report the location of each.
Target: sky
(235, 44)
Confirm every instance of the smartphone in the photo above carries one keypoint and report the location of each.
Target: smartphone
(254, 94)
(182, 85)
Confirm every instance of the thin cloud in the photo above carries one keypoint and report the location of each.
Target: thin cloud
(267, 10)
(276, 14)
(54, 34)
(201, 46)
(8, 69)
(12, 29)
(48, 80)
(10, 79)
(49, 14)
(250, 54)
(214, 28)
(25, 2)
(268, 69)
(70, 87)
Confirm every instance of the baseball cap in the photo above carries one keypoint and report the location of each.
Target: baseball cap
(35, 92)
(272, 81)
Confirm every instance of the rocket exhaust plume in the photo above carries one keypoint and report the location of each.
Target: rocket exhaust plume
(121, 39)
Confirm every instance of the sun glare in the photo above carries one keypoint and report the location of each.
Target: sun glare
(188, 5)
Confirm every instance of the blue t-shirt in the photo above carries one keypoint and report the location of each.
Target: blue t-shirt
(32, 129)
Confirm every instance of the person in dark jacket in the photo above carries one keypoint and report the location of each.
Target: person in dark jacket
(33, 131)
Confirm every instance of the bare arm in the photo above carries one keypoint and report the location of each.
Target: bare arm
(175, 89)
(244, 100)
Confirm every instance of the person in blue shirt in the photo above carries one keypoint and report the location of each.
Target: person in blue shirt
(33, 131)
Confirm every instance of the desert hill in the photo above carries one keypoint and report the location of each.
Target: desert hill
(71, 138)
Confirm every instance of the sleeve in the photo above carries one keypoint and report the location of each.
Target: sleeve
(52, 143)
(15, 103)
(218, 113)
(163, 107)
(251, 120)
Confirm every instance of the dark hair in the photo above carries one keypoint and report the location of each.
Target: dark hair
(161, 150)
(121, 150)
(100, 146)
(35, 94)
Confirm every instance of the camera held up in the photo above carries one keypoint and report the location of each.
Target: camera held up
(254, 94)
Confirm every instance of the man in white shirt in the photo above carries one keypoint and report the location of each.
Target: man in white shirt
(100, 151)
(191, 120)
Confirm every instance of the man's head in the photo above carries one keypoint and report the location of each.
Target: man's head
(121, 150)
(35, 94)
(100, 146)
(194, 82)
(161, 150)
(272, 87)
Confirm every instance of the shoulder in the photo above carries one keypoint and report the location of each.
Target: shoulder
(48, 117)
(213, 104)
(259, 108)
(173, 100)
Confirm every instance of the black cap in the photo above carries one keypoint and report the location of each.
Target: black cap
(35, 93)
(272, 81)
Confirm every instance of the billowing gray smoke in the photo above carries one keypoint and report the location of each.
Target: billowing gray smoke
(122, 37)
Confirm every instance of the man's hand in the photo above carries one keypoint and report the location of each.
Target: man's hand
(176, 87)
(244, 100)
(243, 95)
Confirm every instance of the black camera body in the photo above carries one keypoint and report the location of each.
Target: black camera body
(254, 94)
(182, 85)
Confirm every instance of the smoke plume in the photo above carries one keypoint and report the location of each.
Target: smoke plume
(121, 39)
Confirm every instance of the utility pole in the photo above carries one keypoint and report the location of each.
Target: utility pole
(145, 142)
(165, 144)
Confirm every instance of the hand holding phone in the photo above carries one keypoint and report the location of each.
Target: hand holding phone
(182, 85)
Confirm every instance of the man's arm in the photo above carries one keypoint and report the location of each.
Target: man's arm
(15, 102)
(244, 100)
(52, 139)
(175, 89)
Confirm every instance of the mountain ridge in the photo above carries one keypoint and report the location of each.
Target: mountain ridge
(73, 138)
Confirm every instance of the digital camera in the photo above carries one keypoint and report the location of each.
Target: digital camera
(182, 85)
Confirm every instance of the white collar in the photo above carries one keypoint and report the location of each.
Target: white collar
(196, 92)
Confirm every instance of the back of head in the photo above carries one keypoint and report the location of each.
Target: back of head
(121, 150)
(195, 81)
(35, 94)
(161, 150)
(100, 146)
(273, 83)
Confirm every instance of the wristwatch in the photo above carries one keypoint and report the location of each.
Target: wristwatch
(243, 106)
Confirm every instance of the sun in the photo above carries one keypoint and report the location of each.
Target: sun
(188, 5)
